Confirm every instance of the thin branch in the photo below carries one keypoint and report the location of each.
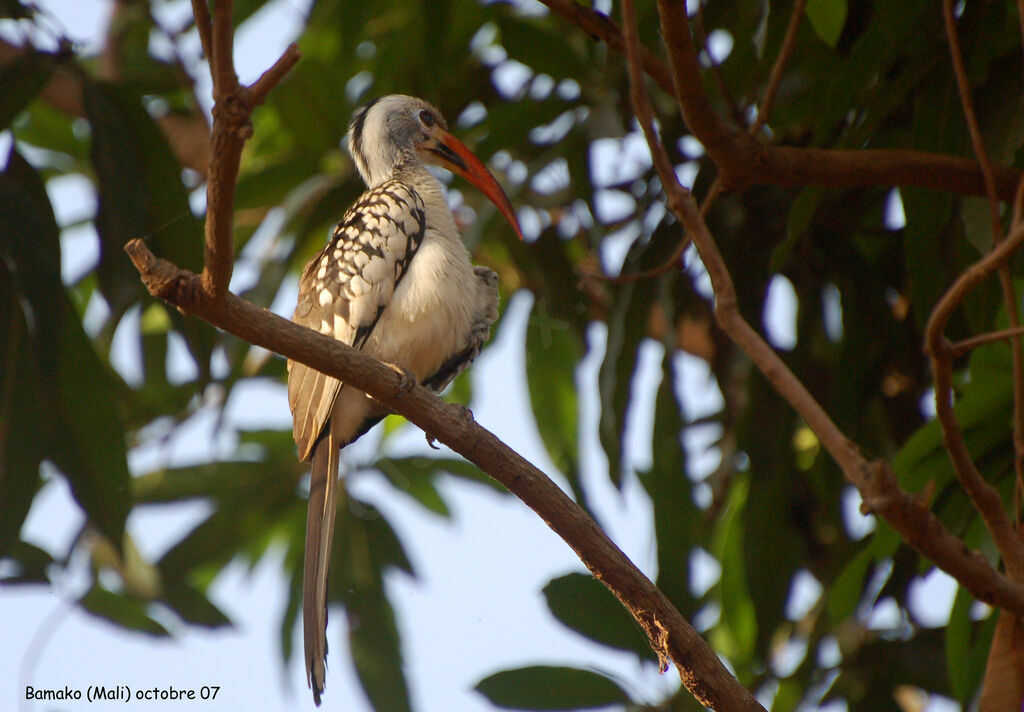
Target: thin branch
(222, 60)
(986, 499)
(201, 11)
(671, 636)
(715, 68)
(231, 128)
(272, 77)
(599, 26)
(779, 68)
(967, 345)
(881, 494)
(1009, 298)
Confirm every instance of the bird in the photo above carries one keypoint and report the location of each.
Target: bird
(395, 281)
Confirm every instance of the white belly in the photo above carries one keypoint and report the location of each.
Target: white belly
(429, 320)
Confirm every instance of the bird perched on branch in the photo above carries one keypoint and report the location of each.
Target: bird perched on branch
(395, 281)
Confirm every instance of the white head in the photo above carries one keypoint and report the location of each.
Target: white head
(399, 130)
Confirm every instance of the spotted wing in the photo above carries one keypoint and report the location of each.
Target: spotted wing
(346, 287)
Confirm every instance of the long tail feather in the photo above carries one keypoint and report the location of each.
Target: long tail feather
(323, 487)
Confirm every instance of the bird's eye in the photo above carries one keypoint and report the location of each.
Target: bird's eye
(427, 119)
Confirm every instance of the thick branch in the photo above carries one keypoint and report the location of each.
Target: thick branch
(881, 494)
(231, 128)
(671, 635)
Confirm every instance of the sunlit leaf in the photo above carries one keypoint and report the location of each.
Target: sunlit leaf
(827, 18)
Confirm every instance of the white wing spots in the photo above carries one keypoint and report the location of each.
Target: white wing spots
(358, 285)
(342, 331)
(352, 280)
(377, 271)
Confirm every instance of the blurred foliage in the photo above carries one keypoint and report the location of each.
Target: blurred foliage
(547, 106)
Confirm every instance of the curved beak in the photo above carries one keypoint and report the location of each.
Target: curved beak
(449, 152)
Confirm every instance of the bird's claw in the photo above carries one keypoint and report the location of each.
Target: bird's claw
(406, 379)
(465, 413)
(431, 441)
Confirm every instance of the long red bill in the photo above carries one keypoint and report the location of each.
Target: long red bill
(454, 156)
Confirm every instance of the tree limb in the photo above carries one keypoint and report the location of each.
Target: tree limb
(880, 492)
(207, 297)
(745, 162)
(671, 636)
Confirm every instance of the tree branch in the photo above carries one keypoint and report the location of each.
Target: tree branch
(796, 15)
(985, 499)
(231, 129)
(600, 26)
(745, 162)
(880, 492)
(207, 297)
(671, 636)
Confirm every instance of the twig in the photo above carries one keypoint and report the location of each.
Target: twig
(273, 76)
(775, 78)
(599, 25)
(231, 128)
(673, 260)
(967, 345)
(670, 634)
(1009, 298)
(984, 496)
(201, 11)
(700, 33)
(881, 494)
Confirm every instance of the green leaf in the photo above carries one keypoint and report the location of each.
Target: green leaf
(140, 192)
(192, 605)
(74, 389)
(670, 491)
(415, 477)
(552, 353)
(551, 688)
(967, 647)
(376, 650)
(827, 18)
(124, 611)
(22, 78)
(584, 604)
(29, 561)
(22, 421)
(739, 622)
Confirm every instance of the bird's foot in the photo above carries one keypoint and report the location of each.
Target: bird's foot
(465, 413)
(406, 379)
(431, 441)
